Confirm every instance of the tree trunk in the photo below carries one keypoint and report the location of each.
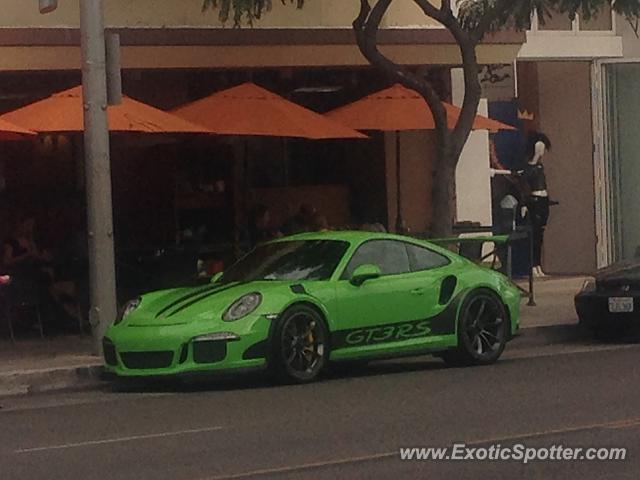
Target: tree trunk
(450, 142)
(450, 146)
(443, 195)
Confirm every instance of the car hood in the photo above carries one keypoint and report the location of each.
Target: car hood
(186, 305)
(628, 270)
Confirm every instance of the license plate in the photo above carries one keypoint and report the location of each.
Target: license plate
(621, 304)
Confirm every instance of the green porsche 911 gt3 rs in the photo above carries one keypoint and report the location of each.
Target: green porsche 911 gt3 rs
(295, 304)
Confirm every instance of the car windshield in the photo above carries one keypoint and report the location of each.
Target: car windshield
(289, 260)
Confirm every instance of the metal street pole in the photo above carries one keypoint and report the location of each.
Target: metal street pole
(98, 171)
(114, 70)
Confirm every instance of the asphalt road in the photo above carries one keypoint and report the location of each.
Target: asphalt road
(347, 426)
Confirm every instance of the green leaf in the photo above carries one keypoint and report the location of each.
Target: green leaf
(243, 11)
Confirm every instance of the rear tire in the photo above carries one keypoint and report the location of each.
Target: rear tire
(483, 330)
(300, 346)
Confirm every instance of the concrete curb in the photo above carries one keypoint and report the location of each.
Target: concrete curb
(47, 380)
(91, 377)
(549, 335)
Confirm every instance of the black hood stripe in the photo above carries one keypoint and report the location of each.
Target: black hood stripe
(205, 295)
(188, 296)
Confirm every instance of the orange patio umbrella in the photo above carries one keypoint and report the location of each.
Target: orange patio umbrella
(9, 131)
(398, 109)
(63, 113)
(250, 110)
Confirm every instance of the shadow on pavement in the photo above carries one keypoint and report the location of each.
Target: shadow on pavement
(335, 372)
(263, 380)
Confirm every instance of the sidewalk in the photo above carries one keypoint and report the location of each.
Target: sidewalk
(553, 320)
(554, 302)
(66, 362)
(37, 365)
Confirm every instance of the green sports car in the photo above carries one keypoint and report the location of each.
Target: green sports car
(296, 304)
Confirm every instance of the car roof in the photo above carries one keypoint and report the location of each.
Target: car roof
(352, 236)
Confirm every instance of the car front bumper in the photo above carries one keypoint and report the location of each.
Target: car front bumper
(146, 351)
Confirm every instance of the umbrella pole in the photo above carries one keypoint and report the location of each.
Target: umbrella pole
(399, 219)
(247, 180)
(285, 161)
(240, 196)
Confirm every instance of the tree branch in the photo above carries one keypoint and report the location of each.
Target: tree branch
(446, 18)
(366, 27)
(472, 94)
(490, 16)
(429, 9)
(467, 46)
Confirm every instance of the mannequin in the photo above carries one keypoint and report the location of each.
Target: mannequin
(537, 196)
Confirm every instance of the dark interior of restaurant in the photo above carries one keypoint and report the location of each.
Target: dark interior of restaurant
(170, 191)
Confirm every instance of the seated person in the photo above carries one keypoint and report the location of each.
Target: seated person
(301, 221)
(32, 273)
(260, 228)
(373, 227)
(21, 255)
(319, 223)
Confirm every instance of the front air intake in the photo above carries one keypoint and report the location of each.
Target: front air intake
(109, 350)
(147, 360)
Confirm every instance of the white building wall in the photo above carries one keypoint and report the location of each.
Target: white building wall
(473, 182)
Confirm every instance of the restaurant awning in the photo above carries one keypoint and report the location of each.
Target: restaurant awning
(63, 113)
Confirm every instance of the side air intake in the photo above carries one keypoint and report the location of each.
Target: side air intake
(447, 288)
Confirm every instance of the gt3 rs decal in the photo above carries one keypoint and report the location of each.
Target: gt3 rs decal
(442, 324)
(388, 333)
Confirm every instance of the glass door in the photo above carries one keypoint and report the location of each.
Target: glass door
(621, 142)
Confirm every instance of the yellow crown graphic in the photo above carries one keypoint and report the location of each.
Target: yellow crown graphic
(525, 115)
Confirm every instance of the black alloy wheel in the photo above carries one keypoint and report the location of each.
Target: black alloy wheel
(483, 328)
(300, 345)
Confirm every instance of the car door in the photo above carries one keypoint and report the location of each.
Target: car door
(436, 286)
(381, 311)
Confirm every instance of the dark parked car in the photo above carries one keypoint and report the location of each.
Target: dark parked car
(610, 302)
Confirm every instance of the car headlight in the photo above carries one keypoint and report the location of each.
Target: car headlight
(242, 307)
(589, 285)
(128, 308)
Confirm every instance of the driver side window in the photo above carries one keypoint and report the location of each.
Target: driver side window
(389, 255)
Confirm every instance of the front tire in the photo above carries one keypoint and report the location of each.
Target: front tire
(483, 330)
(300, 346)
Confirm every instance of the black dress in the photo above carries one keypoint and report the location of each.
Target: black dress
(537, 206)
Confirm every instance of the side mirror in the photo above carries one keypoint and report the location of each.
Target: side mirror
(216, 277)
(364, 273)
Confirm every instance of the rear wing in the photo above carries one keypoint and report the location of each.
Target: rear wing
(473, 248)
